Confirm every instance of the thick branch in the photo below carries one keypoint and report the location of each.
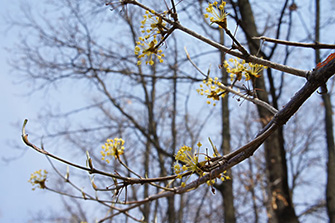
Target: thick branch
(250, 58)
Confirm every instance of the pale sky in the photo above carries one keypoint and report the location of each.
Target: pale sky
(17, 200)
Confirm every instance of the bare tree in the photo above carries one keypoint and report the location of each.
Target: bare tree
(149, 105)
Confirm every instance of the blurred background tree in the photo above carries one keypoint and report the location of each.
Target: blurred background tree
(89, 48)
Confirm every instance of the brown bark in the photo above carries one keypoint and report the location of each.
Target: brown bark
(227, 186)
(146, 207)
(326, 98)
(330, 189)
(281, 208)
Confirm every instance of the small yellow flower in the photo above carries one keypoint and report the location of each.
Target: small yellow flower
(176, 168)
(190, 160)
(210, 182)
(148, 50)
(113, 148)
(38, 178)
(223, 176)
(254, 69)
(153, 28)
(236, 69)
(152, 25)
(240, 68)
(217, 14)
(186, 155)
(213, 91)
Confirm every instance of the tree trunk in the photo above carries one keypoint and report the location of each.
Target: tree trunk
(330, 188)
(146, 206)
(226, 189)
(171, 200)
(281, 207)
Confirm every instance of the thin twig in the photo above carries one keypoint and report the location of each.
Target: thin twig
(91, 170)
(239, 45)
(194, 65)
(297, 44)
(254, 100)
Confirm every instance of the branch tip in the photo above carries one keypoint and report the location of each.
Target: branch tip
(24, 128)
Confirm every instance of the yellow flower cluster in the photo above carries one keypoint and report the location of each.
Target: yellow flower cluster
(217, 14)
(112, 148)
(222, 177)
(190, 159)
(38, 178)
(213, 91)
(153, 28)
(241, 68)
(152, 25)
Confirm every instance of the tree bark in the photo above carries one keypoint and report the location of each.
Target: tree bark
(227, 186)
(326, 98)
(281, 207)
(330, 189)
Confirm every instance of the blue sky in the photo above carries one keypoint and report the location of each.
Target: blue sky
(18, 201)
